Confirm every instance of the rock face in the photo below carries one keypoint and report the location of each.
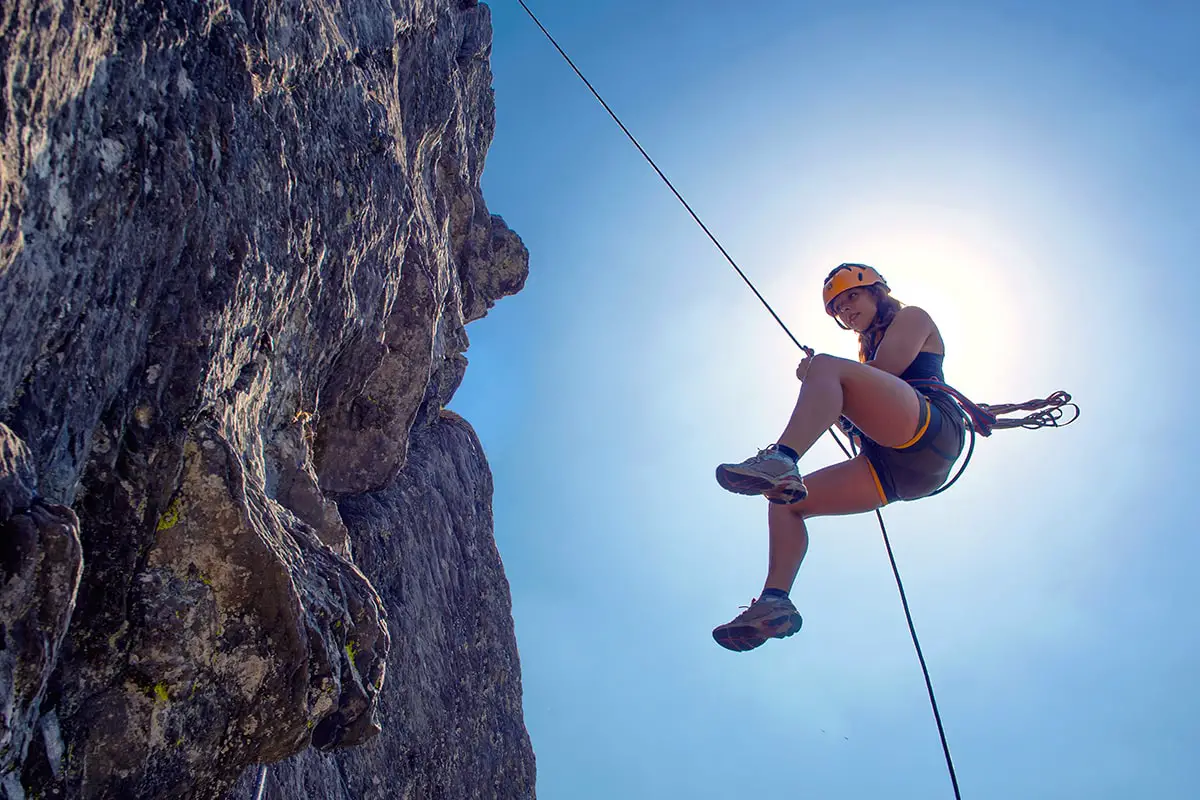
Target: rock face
(41, 560)
(239, 243)
(450, 709)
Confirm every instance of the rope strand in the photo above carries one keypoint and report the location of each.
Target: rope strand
(1048, 413)
(665, 179)
(937, 715)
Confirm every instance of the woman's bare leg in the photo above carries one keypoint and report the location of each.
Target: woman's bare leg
(883, 407)
(886, 409)
(845, 488)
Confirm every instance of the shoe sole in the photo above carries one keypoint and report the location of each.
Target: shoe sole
(731, 480)
(741, 638)
(738, 482)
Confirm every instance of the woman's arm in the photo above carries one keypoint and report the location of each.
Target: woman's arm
(903, 340)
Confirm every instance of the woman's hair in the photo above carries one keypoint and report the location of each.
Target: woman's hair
(886, 306)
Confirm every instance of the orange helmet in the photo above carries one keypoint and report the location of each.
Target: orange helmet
(849, 276)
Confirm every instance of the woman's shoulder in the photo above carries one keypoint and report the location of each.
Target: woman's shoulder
(912, 319)
(919, 321)
(913, 313)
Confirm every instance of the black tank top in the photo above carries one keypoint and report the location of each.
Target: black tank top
(925, 365)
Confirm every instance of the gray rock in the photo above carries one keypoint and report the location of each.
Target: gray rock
(239, 243)
(451, 705)
(40, 565)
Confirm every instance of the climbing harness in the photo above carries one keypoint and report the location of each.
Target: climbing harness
(1050, 412)
(980, 417)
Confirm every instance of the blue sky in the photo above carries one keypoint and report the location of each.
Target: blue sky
(1027, 173)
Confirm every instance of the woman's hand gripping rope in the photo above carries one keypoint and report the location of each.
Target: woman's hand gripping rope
(802, 370)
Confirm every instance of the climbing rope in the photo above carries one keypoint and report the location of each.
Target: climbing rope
(903, 597)
(979, 417)
(912, 630)
(678, 196)
(1048, 413)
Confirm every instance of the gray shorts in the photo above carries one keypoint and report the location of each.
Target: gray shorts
(920, 467)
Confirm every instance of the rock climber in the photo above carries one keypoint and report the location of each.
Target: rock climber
(909, 436)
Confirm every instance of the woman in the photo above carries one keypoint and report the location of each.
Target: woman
(910, 438)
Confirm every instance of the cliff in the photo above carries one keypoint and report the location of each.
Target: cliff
(239, 243)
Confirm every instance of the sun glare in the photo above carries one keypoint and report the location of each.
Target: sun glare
(965, 270)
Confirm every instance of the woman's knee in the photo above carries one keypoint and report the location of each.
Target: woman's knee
(847, 487)
(823, 362)
(825, 367)
(802, 510)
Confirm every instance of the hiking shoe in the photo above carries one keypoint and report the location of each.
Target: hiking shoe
(766, 618)
(770, 472)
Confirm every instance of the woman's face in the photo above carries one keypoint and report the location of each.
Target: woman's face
(855, 308)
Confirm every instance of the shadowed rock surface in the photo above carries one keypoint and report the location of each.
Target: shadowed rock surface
(40, 562)
(451, 703)
(239, 243)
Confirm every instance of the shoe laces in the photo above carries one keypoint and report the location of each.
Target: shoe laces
(773, 451)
